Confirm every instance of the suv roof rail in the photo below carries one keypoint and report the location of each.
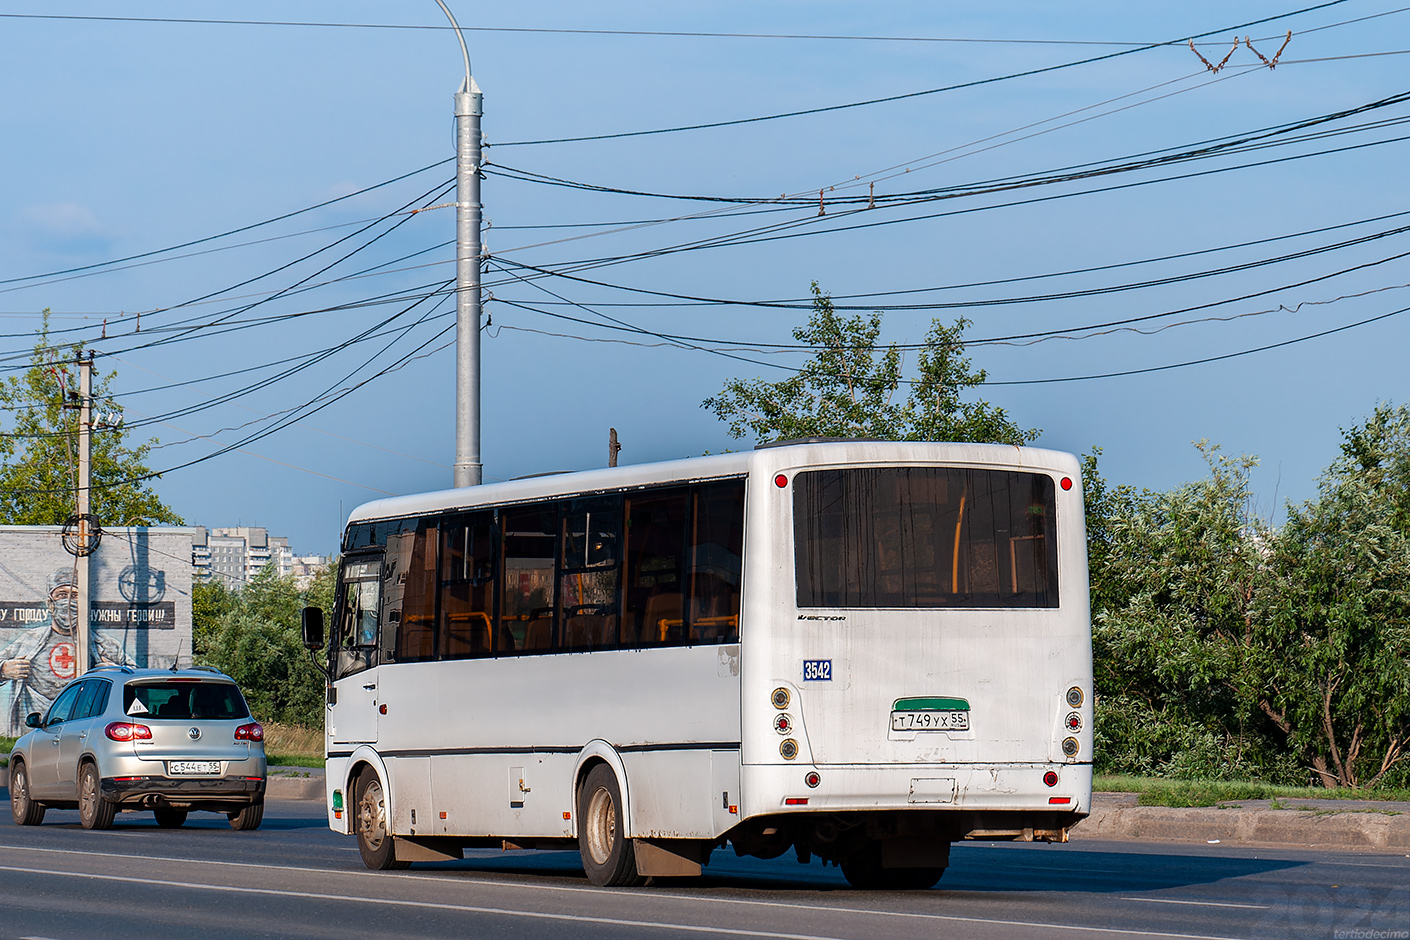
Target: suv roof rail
(101, 667)
(207, 669)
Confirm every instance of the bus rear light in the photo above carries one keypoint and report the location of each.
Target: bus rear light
(1074, 697)
(813, 779)
(789, 749)
(1050, 779)
(1057, 800)
(780, 481)
(1066, 483)
(781, 698)
(796, 801)
(250, 732)
(1073, 721)
(783, 724)
(1070, 747)
(125, 731)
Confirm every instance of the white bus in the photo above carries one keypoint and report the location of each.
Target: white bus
(858, 651)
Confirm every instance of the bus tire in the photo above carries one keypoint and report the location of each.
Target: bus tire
(374, 837)
(608, 858)
(863, 871)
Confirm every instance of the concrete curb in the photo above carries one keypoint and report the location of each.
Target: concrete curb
(1310, 824)
(304, 785)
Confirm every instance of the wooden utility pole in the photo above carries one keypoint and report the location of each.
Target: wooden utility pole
(612, 447)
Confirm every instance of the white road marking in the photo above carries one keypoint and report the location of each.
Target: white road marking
(1251, 907)
(580, 918)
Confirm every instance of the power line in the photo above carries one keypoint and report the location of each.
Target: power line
(1207, 359)
(652, 33)
(917, 94)
(225, 234)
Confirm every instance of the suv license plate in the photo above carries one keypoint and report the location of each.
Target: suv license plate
(930, 721)
(175, 767)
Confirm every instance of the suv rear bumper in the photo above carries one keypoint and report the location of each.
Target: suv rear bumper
(195, 793)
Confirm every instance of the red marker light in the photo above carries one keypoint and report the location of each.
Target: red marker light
(781, 481)
(1050, 779)
(1066, 483)
(812, 779)
(796, 801)
(1059, 799)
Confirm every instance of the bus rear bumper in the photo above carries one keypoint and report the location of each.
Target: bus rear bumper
(984, 788)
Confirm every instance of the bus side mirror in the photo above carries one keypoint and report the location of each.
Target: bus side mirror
(32, 720)
(313, 628)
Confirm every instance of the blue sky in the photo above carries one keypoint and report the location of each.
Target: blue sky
(122, 138)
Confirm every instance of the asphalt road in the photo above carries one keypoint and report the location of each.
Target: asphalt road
(295, 878)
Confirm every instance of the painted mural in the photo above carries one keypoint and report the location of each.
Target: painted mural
(140, 612)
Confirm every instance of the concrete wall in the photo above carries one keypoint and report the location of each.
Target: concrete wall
(140, 616)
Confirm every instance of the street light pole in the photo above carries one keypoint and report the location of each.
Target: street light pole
(468, 213)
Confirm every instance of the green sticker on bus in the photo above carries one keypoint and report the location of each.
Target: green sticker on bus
(931, 703)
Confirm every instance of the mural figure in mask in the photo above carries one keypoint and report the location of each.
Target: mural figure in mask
(40, 661)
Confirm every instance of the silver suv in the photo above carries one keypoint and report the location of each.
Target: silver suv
(119, 738)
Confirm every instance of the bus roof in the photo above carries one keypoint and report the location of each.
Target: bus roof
(547, 486)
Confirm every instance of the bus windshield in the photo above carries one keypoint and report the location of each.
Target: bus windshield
(919, 537)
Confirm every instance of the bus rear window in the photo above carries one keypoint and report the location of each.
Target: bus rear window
(217, 701)
(917, 537)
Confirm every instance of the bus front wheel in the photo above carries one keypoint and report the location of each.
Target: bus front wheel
(374, 837)
(608, 859)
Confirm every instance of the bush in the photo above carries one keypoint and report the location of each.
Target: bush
(257, 641)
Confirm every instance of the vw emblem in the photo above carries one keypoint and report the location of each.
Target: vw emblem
(194, 734)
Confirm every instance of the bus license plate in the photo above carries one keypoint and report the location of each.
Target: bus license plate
(930, 721)
(176, 767)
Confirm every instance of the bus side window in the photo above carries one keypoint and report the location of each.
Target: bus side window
(529, 539)
(589, 574)
(467, 586)
(716, 549)
(358, 611)
(409, 589)
(653, 598)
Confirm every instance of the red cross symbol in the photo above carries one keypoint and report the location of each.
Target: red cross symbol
(62, 661)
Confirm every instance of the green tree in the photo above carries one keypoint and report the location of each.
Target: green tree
(210, 601)
(849, 389)
(1340, 613)
(257, 641)
(1179, 651)
(39, 454)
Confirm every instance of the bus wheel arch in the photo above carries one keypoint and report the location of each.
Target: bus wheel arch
(371, 820)
(600, 752)
(609, 858)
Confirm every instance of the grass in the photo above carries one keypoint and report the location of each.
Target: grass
(1160, 791)
(292, 746)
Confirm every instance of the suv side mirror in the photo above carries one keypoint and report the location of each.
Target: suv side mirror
(32, 720)
(313, 628)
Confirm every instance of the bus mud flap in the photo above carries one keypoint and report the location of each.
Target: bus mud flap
(668, 858)
(426, 849)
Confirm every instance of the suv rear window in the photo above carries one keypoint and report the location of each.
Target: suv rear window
(218, 701)
(924, 537)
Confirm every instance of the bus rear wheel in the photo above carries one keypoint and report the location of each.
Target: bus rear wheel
(374, 837)
(863, 871)
(608, 859)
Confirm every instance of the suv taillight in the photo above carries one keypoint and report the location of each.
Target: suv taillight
(127, 731)
(249, 732)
